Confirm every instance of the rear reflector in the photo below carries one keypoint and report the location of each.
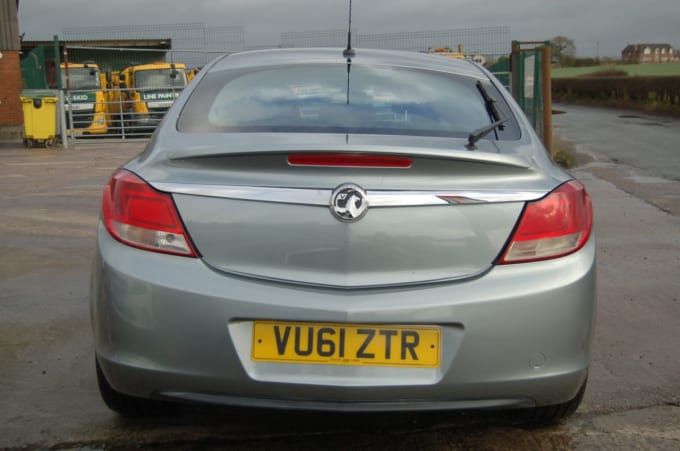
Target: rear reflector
(349, 160)
(137, 215)
(552, 227)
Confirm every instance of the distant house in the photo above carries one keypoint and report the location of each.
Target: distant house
(650, 53)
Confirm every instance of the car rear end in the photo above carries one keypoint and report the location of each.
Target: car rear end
(269, 250)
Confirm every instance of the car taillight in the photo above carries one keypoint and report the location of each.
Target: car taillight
(557, 225)
(137, 215)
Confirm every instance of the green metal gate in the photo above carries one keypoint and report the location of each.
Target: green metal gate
(530, 68)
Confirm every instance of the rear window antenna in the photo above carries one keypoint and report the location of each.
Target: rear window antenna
(349, 51)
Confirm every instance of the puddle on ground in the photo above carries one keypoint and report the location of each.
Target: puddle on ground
(651, 123)
(644, 180)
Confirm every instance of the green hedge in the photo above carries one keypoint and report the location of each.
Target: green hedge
(628, 91)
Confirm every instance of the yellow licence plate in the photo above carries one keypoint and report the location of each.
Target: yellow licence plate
(346, 344)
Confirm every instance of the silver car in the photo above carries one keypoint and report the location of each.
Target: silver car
(375, 233)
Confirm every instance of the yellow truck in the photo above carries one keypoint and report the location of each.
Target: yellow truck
(448, 52)
(145, 93)
(85, 101)
(191, 73)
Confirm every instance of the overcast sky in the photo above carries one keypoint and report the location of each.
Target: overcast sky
(604, 26)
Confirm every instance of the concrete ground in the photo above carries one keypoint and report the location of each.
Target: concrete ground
(49, 201)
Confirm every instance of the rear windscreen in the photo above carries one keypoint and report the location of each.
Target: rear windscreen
(327, 98)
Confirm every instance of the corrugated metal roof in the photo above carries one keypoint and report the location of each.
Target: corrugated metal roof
(9, 26)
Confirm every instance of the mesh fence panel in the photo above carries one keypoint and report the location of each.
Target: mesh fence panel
(487, 45)
(485, 41)
(322, 38)
(126, 110)
(193, 44)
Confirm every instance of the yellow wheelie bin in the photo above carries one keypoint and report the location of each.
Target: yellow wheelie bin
(40, 119)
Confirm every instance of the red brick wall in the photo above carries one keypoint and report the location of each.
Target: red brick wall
(11, 112)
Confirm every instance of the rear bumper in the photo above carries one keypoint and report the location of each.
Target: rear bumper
(141, 382)
(171, 327)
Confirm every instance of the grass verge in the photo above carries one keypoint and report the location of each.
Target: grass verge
(563, 152)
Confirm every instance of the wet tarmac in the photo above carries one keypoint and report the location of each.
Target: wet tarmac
(49, 200)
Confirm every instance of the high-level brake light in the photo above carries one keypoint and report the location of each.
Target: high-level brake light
(349, 160)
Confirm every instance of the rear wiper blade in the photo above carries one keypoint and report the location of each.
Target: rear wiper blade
(489, 103)
(482, 132)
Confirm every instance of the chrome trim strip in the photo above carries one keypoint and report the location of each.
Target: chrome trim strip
(416, 198)
(321, 197)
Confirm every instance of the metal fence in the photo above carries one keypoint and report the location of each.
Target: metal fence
(116, 113)
(124, 109)
(119, 98)
(487, 45)
(531, 85)
(487, 41)
(193, 44)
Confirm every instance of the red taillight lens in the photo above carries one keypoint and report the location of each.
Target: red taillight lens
(552, 227)
(137, 215)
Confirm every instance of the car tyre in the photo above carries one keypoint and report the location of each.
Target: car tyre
(129, 406)
(549, 415)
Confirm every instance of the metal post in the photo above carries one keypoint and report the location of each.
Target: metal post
(521, 81)
(542, 50)
(60, 95)
(122, 113)
(68, 92)
(514, 70)
(537, 93)
(547, 96)
(62, 119)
